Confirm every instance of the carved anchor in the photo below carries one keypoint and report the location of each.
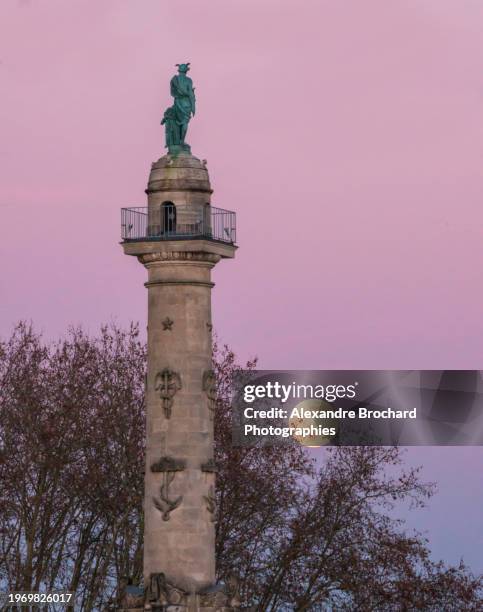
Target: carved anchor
(164, 504)
(209, 387)
(167, 383)
(168, 466)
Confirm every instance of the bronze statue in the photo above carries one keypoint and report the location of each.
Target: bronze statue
(177, 117)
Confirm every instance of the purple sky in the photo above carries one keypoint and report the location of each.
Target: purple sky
(346, 135)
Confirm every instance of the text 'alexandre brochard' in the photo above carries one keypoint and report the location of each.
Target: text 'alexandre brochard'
(313, 416)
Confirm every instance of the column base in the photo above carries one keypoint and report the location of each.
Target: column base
(163, 596)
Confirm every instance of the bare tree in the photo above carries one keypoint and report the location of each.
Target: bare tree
(71, 444)
(308, 539)
(300, 538)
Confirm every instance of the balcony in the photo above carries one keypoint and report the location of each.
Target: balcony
(170, 222)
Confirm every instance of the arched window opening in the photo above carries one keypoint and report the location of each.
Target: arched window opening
(168, 218)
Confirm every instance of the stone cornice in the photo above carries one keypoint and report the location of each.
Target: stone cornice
(196, 283)
(179, 256)
(182, 184)
(170, 250)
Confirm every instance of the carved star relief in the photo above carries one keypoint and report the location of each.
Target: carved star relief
(167, 324)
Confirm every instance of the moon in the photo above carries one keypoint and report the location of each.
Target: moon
(315, 440)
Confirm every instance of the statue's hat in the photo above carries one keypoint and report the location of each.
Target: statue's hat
(183, 67)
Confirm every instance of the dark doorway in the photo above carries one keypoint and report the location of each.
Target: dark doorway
(168, 218)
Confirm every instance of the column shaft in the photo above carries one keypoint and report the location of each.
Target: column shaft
(179, 536)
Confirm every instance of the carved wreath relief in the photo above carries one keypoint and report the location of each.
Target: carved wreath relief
(167, 383)
(168, 466)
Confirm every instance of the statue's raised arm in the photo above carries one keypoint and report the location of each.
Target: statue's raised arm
(176, 117)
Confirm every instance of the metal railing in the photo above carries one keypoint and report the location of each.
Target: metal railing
(139, 223)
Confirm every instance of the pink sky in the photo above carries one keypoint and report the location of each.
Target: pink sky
(346, 135)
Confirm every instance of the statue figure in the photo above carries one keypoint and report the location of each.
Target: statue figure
(176, 117)
(161, 595)
(158, 590)
(170, 127)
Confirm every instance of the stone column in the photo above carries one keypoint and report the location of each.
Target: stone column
(179, 504)
(179, 512)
